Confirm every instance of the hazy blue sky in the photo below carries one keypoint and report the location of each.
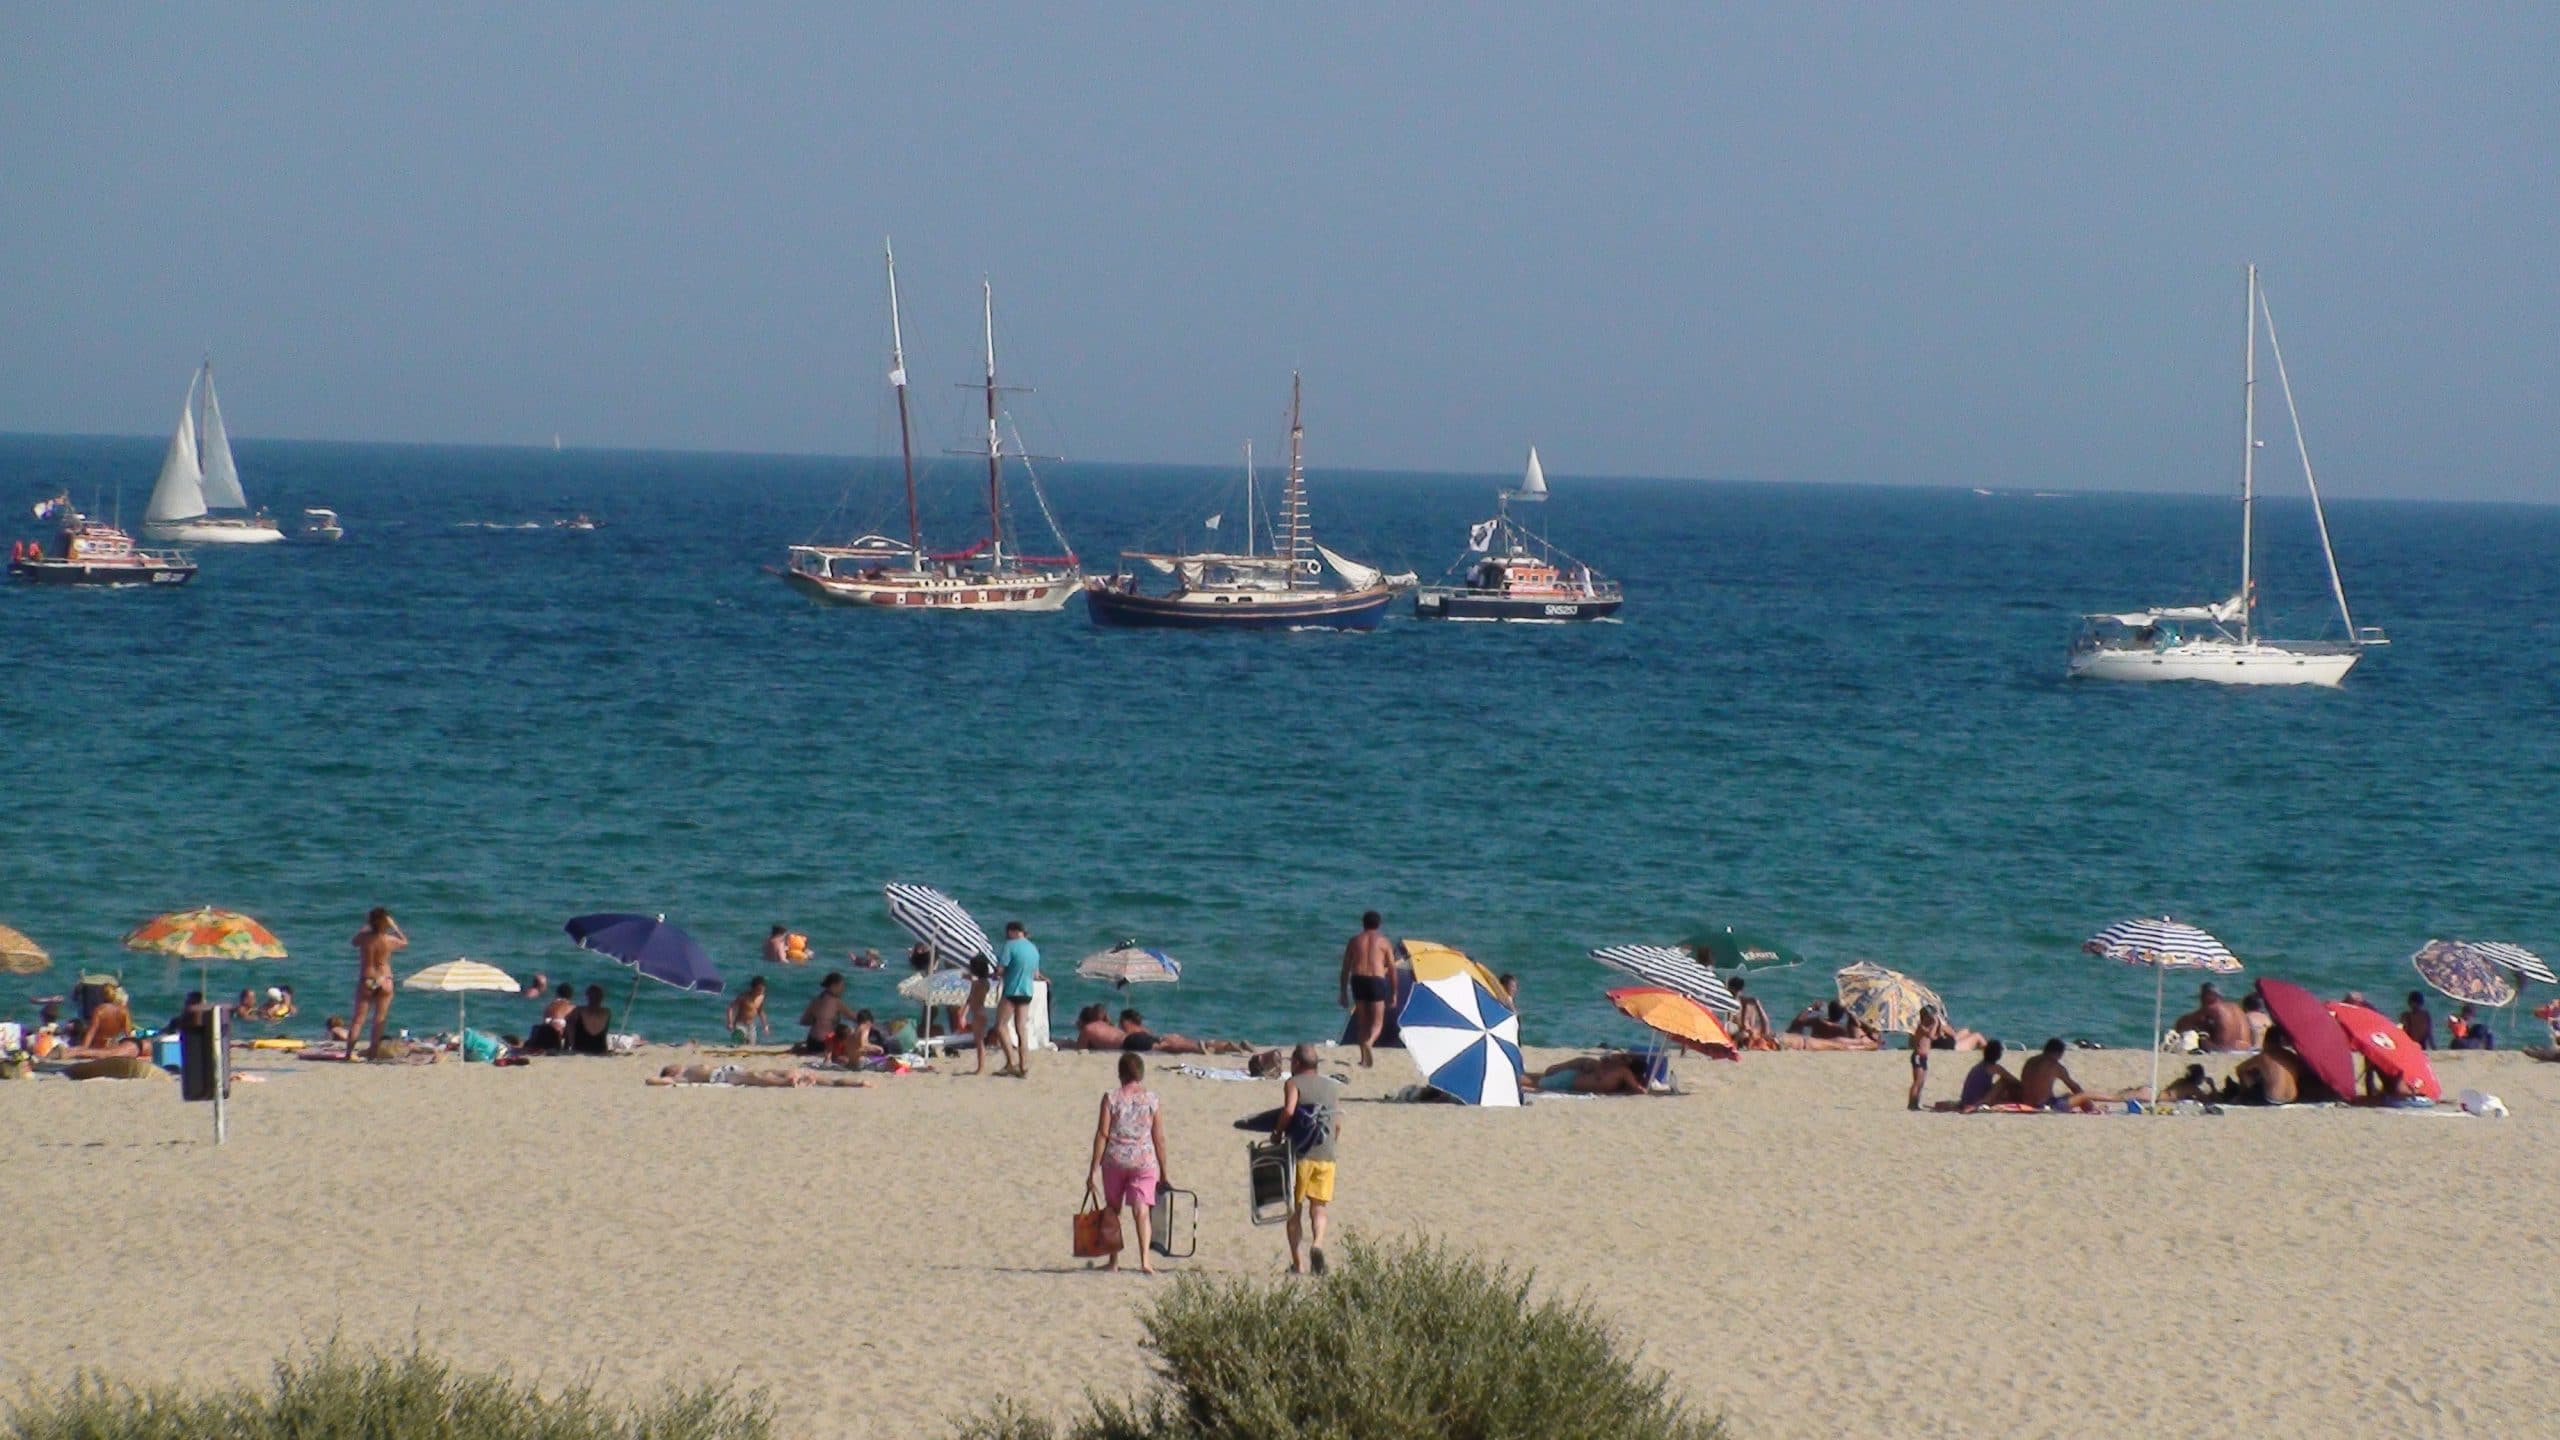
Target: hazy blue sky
(1935, 244)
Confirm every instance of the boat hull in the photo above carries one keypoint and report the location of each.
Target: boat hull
(209, 531)
(1037, 594)
(2221, 664)
(1450, 603)
(99, 575)
(1117, 608)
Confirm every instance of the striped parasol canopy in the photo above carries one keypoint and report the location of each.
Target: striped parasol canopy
(20, 955)
(1669, 969)
(2458, 969)
(938, 921)
(205, 934)
(2165, 943)
(1887, 1000)
(1130, 963)
(2513, 957)
(1675, 1016)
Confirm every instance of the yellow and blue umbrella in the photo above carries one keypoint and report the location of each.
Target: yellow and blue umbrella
(1887, 1000)
(1465, 1039)
(20, 955)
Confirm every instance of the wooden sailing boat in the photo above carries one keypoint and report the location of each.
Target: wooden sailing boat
(2220, 642)
(877, 570)
(199, 478)
(1284, 589)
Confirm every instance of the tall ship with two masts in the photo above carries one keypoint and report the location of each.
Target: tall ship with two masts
(991, 574)
(2220, 642)
(1514, 575)
(1287, 588)
(198, 479)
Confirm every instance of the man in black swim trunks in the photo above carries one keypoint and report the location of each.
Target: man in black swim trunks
(1924, 1037)
(1368, 982)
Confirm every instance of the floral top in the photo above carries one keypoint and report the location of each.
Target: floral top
(1130, 1143)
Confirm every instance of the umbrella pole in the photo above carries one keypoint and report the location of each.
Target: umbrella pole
(629, 1003)
(2159, 994)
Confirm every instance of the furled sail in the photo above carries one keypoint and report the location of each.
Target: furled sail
(221, 476)
(180, 493)
(1359, 577)
(1533, 481)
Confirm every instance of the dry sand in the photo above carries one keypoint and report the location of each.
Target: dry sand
(1797, 1249)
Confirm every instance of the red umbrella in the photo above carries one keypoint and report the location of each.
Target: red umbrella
(2387, 1048)
(2316, 1035)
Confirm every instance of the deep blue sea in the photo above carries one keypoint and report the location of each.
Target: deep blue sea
(1833, 714)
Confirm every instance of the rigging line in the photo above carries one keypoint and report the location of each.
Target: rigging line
(2302, 447)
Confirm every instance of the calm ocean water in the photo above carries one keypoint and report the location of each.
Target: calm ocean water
(1833, 714)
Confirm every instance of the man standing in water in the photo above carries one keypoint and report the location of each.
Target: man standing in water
(374, 946)
(1368, 982)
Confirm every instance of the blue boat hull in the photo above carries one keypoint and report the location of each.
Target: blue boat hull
(1324, 610)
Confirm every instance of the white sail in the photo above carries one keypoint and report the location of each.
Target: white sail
(180, 493)
(1359, 577)
(221, 476)
(1533, 481)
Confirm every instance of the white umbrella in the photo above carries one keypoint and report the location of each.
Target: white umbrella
(1129, 963)
(459, 978)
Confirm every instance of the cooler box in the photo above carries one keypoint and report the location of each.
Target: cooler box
(165, 1052)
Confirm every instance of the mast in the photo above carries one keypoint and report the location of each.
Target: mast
(2284, 382)
(1248, 495)
(995, 440)
(1296, 503)
(898, 381)
(2249, 461)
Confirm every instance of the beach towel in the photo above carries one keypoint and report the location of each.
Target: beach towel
(1206, 1072)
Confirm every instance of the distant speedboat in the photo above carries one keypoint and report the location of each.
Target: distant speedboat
(92, 552)
(320, 527)
(1248, 590)
(2217, 642)
(1521, 578)
(579, 521)
(197, 479)
(991, 574)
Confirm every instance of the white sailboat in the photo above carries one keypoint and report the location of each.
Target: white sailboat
(2219, 642)
(197, 479)
(988, 575)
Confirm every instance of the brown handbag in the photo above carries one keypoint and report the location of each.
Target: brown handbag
(1097, 1228)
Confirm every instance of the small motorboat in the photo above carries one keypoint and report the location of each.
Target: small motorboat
(320, 527)
(92, 552)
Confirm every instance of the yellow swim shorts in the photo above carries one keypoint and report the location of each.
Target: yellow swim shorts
(1315, 1181)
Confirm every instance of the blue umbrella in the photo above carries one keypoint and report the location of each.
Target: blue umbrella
(651, 947)
(1464, 1038)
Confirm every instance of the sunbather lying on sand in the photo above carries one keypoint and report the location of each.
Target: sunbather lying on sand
(745, 1078)
(1793, 1041)
(1617, 1073)
(1136, 1038)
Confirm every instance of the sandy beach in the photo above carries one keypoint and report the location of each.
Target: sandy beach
(1786, 1239)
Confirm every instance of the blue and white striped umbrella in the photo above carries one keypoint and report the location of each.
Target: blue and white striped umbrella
(1674, 970)
(1465, 1040)
(2164, 943)
(938, 921)
(2514, 957)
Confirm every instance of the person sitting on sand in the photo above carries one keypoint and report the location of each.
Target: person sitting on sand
(2273, 1076)
(2468, 1032)
(1094, 1030)
(1987, 1083)
(2045, 1083)
(856, 1039)
(820, 1015)
(1616, 1073)
(2218, 1023)
(1137, 1039)
(1751, 1029)
(110, 1029)
(747, 1023)
(1822, 1022)
(2416, 1023)
(551, 1033)
(2194, 1085)
(2253, 1009)
(591, 1025)
(747, 1079)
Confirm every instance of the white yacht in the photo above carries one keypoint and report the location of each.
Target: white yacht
(198, 478)
(2219, 641)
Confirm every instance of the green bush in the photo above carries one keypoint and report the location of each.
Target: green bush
(1408, 1341)
(340, 1394)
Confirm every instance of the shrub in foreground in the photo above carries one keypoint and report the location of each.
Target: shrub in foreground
(1403, 1341)
(342, 1394)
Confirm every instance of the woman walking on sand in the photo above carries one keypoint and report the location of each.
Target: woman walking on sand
(1128, 1155)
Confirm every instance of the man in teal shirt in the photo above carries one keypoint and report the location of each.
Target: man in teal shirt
(1021, 961)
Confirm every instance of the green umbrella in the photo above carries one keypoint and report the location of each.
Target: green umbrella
(1729, 949)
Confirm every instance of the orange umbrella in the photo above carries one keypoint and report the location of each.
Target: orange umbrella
(2387, 1048)
(206, 934)
(1675, 1016)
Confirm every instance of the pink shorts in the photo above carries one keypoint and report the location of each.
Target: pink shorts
(1134, 1187)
